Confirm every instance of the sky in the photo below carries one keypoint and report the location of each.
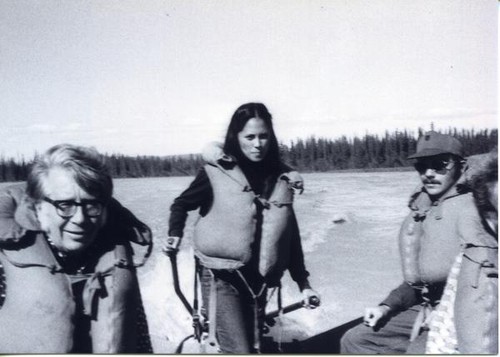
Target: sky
(163, 77)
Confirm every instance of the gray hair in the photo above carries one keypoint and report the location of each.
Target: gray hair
(87, 166)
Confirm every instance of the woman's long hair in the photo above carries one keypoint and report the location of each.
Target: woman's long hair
(239, 119)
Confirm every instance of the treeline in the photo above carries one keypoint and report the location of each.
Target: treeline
(13, 170)
(373, 151)
(306, 155)
(153, 166)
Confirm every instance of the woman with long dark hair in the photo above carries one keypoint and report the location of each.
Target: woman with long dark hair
(247, 235)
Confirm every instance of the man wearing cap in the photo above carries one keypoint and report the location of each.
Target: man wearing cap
(442, 216)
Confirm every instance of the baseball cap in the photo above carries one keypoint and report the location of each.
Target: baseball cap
(433, 143)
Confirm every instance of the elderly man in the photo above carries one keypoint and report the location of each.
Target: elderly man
(442, 216)
(66, 251)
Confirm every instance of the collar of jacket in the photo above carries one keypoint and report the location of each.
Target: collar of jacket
(213, 154)
(420, 201)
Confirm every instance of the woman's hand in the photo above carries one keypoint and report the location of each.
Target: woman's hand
(171, 246)
(311, 298)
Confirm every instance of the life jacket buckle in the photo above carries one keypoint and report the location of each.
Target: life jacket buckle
(121, 263)
(265, 203)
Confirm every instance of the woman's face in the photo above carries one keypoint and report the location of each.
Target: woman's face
(254, 139)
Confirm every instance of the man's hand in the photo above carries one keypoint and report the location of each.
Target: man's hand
(374, 314)
(311, 298)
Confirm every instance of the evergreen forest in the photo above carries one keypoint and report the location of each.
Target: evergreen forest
(370, 152)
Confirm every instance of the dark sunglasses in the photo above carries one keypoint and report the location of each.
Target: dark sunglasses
(67, 208)
(439, 166)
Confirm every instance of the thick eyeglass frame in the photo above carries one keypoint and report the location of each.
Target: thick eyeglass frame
(90, 208)
(439, 166)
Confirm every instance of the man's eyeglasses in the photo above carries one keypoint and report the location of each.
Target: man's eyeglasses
(439, 166)
(67, 208)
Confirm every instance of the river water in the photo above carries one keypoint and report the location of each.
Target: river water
(349, 225)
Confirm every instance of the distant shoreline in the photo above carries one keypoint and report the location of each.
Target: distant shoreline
(367, 170)
(345, 171)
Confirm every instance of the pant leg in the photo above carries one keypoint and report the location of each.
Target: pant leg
(417, 346)
(234, 314)
(391, 338)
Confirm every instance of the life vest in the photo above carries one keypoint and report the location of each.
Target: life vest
(410, 237)
(430, 228)
(225, 237)
(37, 315)
(416, 243)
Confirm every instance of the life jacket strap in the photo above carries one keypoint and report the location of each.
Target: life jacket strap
(197, 325)
(94, 286)
(422, 320)
(280, 318)
(480, 265)
(212, 311)
(256, 310)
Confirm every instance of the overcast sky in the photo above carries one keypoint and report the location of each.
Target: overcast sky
(155, 77)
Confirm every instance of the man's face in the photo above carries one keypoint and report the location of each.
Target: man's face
(74, 233)
(438, 173)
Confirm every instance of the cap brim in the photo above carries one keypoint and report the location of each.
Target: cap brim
(428, 152)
